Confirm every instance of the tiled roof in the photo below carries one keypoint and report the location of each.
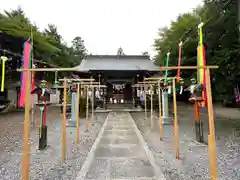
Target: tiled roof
(118, 63)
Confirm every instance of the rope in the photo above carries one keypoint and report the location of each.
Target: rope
(8, 106)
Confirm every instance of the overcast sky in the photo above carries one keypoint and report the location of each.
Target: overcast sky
(105, 25)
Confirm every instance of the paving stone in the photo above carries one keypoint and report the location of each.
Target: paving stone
(119, 154)
(131, 168)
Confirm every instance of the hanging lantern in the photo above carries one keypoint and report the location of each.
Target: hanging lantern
(181, 81)
(169, 87)
(194, 81)
(43, 83)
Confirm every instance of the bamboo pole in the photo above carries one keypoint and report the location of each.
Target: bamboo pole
(211, 136)
(95, 86)
(93, 103)
(156, 79)
(64, 122)
(160, 112)
(175, 120)
(187, 67)
(149, 82)
(25, 159)
(77, 113)
(145, 101)
(33, 120)
(86, 84)
(78, 80)
(151, 97)
(47, 69)
(86, 119)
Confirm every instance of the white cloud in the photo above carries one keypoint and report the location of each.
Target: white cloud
(105, 25)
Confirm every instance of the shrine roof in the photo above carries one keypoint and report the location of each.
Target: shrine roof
(117, 63)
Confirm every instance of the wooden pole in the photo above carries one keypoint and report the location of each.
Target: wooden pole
(92, 102)
(86, 119)
(25, 159)
(64, 131)
(151, 97)
(175, 121)
(33, 120)
(211, 136)
(145, 101)
(160, 112)
(77, 113)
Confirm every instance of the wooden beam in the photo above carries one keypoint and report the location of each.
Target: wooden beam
(95, 86)
(88, 83)
(48, 69)
(159, 78)
(148, 82)
(187, 67)
(77, 80)
(151, 82)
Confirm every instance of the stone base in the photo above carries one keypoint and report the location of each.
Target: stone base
(42, 137)
(167, 120)
(71, 123)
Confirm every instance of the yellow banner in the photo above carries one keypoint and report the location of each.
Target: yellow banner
(200, 63)
(4, 59)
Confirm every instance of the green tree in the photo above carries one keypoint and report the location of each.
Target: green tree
(220, 39)
(49, 45)
(79, 51)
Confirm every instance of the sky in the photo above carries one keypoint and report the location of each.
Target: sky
(105, 25)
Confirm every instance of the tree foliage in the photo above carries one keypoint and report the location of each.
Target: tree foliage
(49, 45)
(221, 40)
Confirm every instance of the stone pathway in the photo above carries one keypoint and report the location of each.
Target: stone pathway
(120, 152)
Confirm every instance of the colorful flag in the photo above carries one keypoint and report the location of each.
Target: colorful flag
(179, 60)
(26, 62)
(201, 61)
(166, 71)
(3, 59)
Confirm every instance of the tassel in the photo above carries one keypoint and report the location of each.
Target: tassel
(181, 89)
(4, 59)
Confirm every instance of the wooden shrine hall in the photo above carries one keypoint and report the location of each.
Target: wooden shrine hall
(118, 73)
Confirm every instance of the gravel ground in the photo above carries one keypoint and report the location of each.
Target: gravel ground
(194, 163)
(44, 164)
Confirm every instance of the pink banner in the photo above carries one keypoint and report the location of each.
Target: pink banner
(204, 76)
(26, 58)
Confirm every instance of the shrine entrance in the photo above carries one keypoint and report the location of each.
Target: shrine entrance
(119, 95)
